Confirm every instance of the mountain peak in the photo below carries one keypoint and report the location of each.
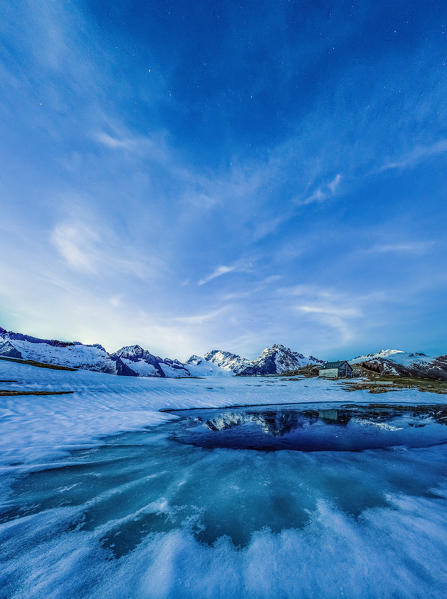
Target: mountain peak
(273, 360)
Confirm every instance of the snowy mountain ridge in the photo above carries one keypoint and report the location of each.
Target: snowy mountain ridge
(226, 360)
(133, 360)
(398, 362)
(70, 354)
(143, 363)
(396, 355)
(199, 366)
(128, 361)
(276, 359)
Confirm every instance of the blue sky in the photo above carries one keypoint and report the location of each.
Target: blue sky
(225, 174)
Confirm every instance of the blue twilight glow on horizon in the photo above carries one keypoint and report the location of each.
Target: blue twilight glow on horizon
(191, 175)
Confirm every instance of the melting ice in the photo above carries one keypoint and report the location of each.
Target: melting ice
(353, 504)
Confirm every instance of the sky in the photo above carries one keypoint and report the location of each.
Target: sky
(197, 175)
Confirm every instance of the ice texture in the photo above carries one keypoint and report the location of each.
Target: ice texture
(99, 500)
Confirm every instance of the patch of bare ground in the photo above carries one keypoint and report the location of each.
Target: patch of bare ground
(308, 371)
(372, 381)
(391, 383)
(38, 364)
(9, 393)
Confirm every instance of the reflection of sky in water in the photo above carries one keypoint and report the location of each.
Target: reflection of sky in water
(145, 516)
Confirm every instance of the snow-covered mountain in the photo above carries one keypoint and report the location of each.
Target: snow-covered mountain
(401, 363)
(199, 366)
(133, 360)
(395, 355)
(277, 360)
(51, 351)
(128, 361)
(143, 363)
(273, 360)
(226, 360)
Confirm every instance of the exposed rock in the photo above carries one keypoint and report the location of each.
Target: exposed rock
(128, 361)
(226, 360)
(273, 360)
(435, 368)
(8, 350)
(143, 363)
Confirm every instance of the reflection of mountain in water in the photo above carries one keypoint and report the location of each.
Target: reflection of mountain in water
(347, 427)
(277, 423)
(283, 421)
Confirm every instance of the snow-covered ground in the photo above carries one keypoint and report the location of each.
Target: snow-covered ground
(102, 404)
(137, 516)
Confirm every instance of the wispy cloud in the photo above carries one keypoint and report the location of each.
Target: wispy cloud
(418, 154)
(171, 181)
(322, 193)
(309, 291)
(76, 244)
(338, 317)
(197, 319)
(115, 142)
(222, 270)
(332, 310)
(411, 247)
(334, 315)
(90, 248)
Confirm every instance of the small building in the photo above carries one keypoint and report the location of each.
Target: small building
(334, 370)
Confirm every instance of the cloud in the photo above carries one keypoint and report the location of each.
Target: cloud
(115, 142)
(75, 243)
(336, 317)
(307, 290)
(332, 310)
(411, 247)
(197, 319)
(92, 248)
(268, 226)
(218, 272)
(333, 185)
(322, 193)
(418, 154)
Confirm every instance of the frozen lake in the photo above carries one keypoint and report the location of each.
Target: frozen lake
(304, 499)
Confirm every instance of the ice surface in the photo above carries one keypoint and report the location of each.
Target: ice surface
(135, 514)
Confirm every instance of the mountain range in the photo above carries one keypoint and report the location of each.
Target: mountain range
(272, 360)
(133, 360)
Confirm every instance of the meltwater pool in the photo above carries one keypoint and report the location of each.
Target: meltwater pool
(244, 502)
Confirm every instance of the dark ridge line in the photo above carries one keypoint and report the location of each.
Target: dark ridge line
(38, 364)
(9, 393)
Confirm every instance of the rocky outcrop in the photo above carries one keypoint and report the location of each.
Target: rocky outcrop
(143, 363)
(8, 350)
(277, 359)
(418, 366)
(226, 360)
